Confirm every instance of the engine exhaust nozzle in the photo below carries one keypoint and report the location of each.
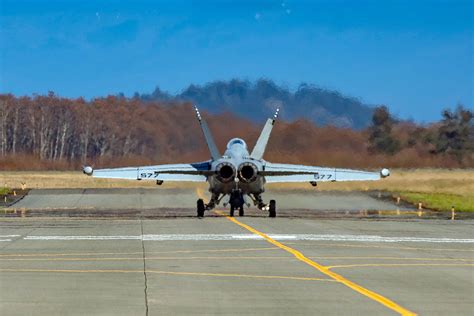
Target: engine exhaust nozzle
(248, 172)
(225, 172)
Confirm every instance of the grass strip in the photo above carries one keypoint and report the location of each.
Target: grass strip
(440, 201)
(5, 191)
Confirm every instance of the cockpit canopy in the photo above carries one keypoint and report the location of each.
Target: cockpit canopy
(236, 141)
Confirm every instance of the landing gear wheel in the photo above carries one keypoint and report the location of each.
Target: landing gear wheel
(200, 208)
(241, 211)
(231, 211)
(272, 208)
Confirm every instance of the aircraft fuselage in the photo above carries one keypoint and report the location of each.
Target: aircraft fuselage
(236, 170)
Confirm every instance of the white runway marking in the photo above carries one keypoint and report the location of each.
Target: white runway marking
(7, 237)
(227, 237)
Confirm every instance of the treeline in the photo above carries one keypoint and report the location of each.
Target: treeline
(50, 132)
(54, 128)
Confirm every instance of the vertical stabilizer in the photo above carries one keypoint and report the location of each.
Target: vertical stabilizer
(259, 149)
(208, 136)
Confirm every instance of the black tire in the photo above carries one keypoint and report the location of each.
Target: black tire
(272, 208)
(241, 211)
(200, 208)
(231, 213)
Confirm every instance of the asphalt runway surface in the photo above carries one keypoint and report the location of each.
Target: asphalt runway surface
(185, 198)
(114, 261)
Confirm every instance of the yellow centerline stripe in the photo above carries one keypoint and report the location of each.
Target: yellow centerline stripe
(298, 255)
(173, 273)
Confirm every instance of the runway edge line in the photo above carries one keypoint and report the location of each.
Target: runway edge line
(325, 270)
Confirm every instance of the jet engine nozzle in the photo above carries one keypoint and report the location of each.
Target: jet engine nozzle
(225, 172)
(248, 172)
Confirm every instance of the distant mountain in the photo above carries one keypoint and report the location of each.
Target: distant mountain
(257, 101)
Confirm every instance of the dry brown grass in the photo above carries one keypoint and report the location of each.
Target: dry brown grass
(456, 181)
(73, 180)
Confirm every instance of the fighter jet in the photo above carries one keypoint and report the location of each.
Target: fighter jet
(237, 174)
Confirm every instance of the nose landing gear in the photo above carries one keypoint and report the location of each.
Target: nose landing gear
(236, 201)
(233, 208)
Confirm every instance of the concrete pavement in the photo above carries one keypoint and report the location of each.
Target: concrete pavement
(134, 267)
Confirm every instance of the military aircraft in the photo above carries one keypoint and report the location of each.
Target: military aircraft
(237, 173)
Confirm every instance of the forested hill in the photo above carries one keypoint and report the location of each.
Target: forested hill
(256, 101)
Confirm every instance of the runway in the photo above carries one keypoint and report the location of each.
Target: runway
(185, 198)
(300, 265)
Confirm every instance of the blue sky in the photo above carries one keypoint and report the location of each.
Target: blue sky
(414, 56)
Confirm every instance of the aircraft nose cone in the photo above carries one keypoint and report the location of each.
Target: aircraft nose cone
(88, 170)
(384, 172)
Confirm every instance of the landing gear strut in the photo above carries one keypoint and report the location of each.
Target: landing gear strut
(271, 207)
(215, 200)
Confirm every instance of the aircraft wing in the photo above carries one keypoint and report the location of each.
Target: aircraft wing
(196, 172)
(277, 172)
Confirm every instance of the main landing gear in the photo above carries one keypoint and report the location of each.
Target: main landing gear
(272, 208)
(237, 202)
(200, 208)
